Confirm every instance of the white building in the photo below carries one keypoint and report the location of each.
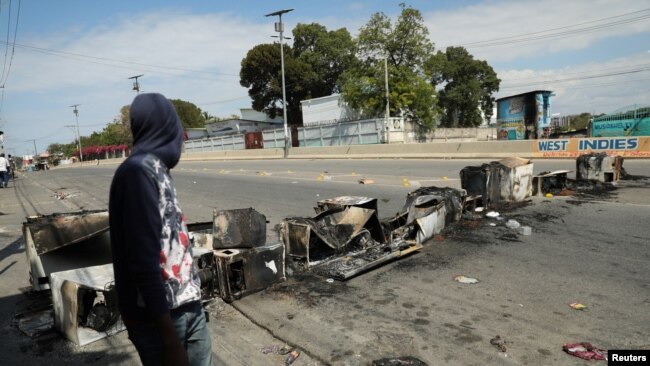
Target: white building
(330, 109)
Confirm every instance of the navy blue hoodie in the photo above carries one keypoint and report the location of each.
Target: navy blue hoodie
(152, 256)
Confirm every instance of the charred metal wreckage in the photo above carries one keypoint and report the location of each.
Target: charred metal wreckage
(69, 253)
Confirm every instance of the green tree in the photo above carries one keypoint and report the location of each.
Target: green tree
(467, 87)
(406, 48)
(312, 69)
(191, 116)
(329, 53)
(260, 72)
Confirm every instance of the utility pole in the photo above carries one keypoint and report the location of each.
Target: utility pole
(279, 27)
(76, 115)
(34, 141)
(387, 100)
(136, 85)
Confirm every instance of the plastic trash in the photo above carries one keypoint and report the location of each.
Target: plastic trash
(549, 195)
(293, 355)
(478, 209)
(513, 224)
(467, 280)
(493, 224)
(585, 350)
(578, 306)
(492, 214)
(526, 230)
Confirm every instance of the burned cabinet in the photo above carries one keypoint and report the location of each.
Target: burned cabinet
(64, 241)
(599, 166)
(238, 228)
(85, 303)
(507, 180)
(244, 271)
(344, 239)
(426, 212)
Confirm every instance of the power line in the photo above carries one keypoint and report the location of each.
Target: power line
(13, 47)
(554, 29)
(104, 60)
(4, 65)
(528, 87)
(583, 77)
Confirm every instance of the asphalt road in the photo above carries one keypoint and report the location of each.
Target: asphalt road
(588, 248)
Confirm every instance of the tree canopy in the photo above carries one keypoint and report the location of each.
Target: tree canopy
(191, 116)
(404, 47)
(312, 69)
(467, 87)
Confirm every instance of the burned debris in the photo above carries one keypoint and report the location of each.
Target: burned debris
(346, 237)
(69, 254)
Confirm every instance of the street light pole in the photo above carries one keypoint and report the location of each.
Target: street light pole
(387, 100)
(76, 115)
(279, 27)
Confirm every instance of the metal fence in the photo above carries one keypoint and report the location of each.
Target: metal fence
(344, 133)
(233, 142)
(273, 138)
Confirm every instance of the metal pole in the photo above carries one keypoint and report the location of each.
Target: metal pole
(387, 99)
(284, 93)
(76, 115)
(35, 151)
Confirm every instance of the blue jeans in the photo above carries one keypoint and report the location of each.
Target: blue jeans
(189, 321)
(4, 177)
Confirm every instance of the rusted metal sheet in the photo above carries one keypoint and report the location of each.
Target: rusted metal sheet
(85, 304)
(244, 271)
(57, 230)
(254, 140)
(508, 180)
(239, 228)
(65, 241)
(599, 166)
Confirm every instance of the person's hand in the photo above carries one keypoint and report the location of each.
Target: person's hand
(175, 355)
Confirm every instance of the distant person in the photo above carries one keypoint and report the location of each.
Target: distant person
(4, 171)
(12, 167)
(157, 282)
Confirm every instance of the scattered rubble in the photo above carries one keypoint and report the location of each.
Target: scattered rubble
(399, 361)
(499, 343)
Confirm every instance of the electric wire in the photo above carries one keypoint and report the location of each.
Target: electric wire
(13, 48)
(113, 61)
(595, 76)
(514, 38)
(4, 65)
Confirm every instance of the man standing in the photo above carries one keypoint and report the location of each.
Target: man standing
(157, 282)
(4, 171)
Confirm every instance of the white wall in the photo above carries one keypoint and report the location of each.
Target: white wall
(325, 109)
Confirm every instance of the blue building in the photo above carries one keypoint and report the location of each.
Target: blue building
(524, 116)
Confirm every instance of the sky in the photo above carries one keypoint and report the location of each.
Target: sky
(594, 54)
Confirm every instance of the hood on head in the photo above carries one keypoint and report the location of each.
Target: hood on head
(156, 128)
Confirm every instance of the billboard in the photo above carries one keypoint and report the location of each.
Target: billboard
(571, 148)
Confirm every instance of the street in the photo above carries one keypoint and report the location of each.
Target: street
(590, 248)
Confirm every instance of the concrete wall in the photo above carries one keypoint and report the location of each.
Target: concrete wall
(627, 147)
(450, 134)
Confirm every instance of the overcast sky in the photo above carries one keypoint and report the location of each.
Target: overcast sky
(594, 54)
